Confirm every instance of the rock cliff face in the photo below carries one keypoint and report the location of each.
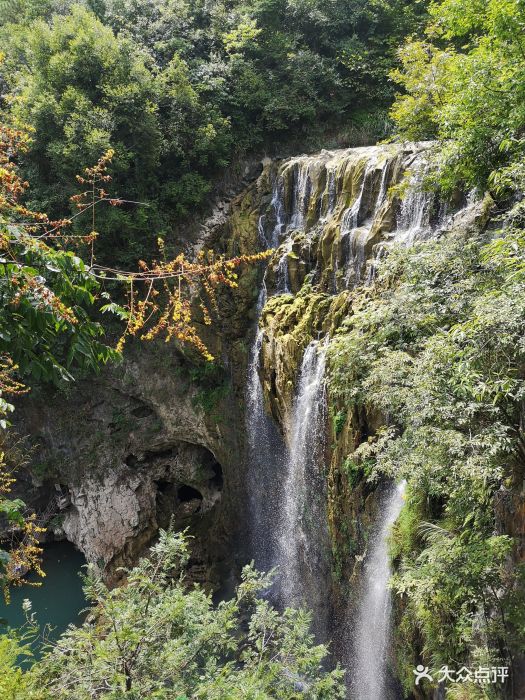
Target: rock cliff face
(158, 439)
(330, 217)
(139, 446)
(143, 442)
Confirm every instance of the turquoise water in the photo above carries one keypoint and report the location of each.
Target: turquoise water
(59, 600)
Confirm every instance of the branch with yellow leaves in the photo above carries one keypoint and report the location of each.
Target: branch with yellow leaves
(161, 296)
(25, 552)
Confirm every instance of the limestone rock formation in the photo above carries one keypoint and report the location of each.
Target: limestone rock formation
(135, 449)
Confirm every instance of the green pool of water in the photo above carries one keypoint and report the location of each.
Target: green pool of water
(59, 600)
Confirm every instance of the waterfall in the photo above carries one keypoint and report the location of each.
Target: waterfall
(301, 196)
(383, 191)
(350, 227)
(372, 632)
(277, 206)
(416, 209)
(266, 449)
(260, 443)
(351, 215)
(331, 218)
(331, 191)
(282, 276)
(286, 483)
(265, 446)
(303, 539)
(344, 205)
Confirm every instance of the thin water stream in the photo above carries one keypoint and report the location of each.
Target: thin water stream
(369, 679)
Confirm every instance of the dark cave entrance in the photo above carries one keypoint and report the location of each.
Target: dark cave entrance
(189, 488)
(187, 493)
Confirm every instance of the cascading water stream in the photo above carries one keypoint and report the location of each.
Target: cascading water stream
(334, 216)
(349, 228)
(331, 192)
(282, 276)
(301, 197)
(372, 632)
(351, 216)
(382, 196)
(277, 205)
(288, 519)
(265, 444)
(303, 533)
(264, 449)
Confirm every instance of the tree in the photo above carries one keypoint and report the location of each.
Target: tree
(47, 326)
(25, 551)
(436, 349)
(464, 85)
(158, 637)
(84, 90)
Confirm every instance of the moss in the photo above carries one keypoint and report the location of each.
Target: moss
(45, 469)
(156, 426)
(120, 420)
(210, 381)
(407, 644)
(208, 399)
(354, 472)
(338, 422)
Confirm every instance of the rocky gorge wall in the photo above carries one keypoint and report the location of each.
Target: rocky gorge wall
(124, 443)
(154, 439)
(159, 438)
(131, 450)
(331, 218)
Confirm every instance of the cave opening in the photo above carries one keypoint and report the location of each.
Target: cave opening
(190, 485)
(142, 411)
(131, 460)
(187, 493)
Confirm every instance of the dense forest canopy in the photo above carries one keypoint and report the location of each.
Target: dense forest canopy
(180, 89)
(464, 85)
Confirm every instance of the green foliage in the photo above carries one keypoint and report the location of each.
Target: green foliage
(82, 89)
(353, 470)
(208, 398)
(177, 88)
(45, 343)
(14, 684)
(210, 382)
(156, 637)
(47, 331)
(464, 85)
(436, 348)
(338, 422)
